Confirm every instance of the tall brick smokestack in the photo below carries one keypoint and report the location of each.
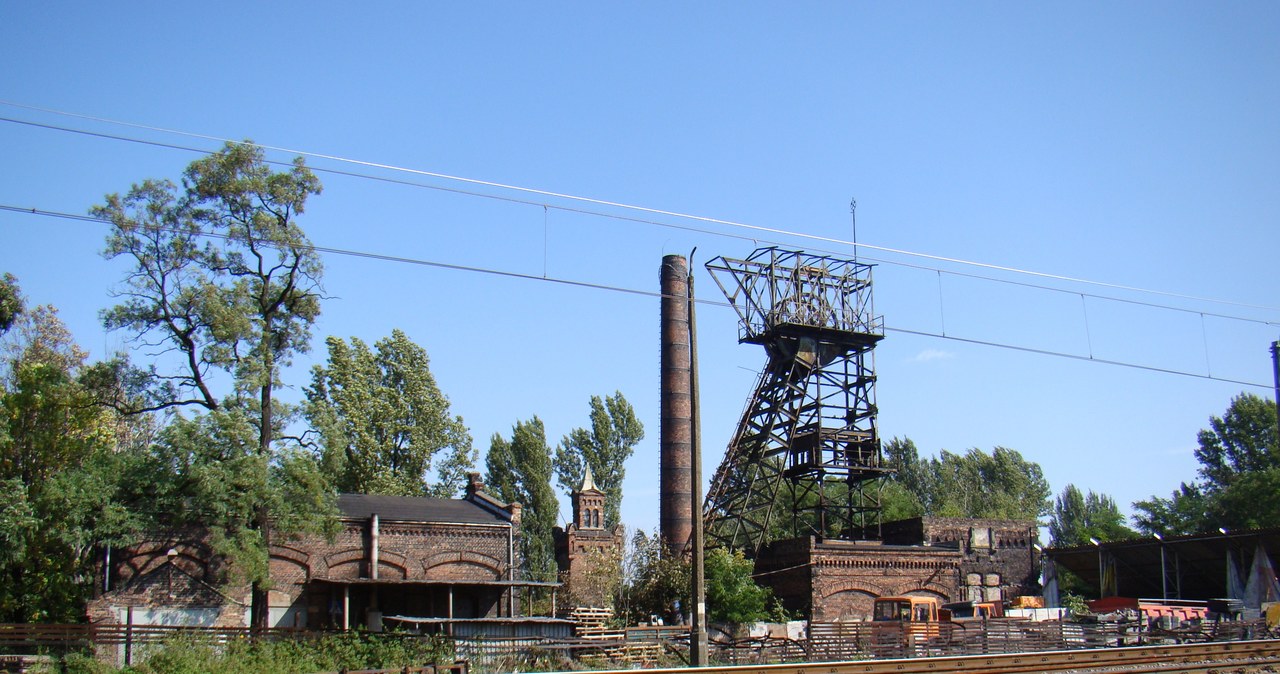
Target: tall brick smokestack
(675, 518)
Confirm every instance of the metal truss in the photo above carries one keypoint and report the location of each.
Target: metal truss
(806, 455)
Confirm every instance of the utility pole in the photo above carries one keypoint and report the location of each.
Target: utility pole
(698, 631)
(1275, 366)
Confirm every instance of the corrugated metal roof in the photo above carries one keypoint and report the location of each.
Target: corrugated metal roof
(417, 509)
(1196, 564)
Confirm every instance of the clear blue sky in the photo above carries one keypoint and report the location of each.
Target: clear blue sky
(1132, 144)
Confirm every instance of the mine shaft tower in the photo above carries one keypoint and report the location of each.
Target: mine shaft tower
(806, 455)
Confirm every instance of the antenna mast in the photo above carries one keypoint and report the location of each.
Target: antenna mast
(853, 215)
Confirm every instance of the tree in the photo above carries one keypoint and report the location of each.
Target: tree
(11, 304)
(605, 447)
(1000, 485)
(1077, 517)
(1242, 441)
(224, 278)
(1184, 512)
(206, 472)
(732, 595)
(61, 474)
(1239, 456)
(899, 495)
(655, 582)
(383, 421)
(519, 471)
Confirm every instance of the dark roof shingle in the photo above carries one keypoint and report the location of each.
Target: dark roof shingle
(416, 509)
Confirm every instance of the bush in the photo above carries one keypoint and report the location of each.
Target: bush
(195, 654)
(732, 595)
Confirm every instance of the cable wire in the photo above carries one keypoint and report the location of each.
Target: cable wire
(614, 216)
(656, 294)
(625, 206)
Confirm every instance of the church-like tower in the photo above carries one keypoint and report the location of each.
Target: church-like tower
(588, 555)
(588, 504)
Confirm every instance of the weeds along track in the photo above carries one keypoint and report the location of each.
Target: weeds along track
(1227, 656)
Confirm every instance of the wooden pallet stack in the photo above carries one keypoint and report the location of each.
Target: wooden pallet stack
(614, 646)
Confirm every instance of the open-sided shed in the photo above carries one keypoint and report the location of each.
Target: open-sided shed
(1200, 566)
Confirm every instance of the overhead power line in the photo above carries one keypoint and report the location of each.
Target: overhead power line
(639, 220)
(602, 202)
(649, 293)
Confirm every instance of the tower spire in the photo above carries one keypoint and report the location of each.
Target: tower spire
(588, 482)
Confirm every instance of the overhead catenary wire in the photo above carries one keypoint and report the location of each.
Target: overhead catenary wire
(589, 200)
(655, 294)
(756, 241)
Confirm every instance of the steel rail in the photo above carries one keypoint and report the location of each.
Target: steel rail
(1211, 656)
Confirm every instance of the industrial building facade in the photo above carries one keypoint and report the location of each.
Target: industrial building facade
(424, 562)
(948, 558)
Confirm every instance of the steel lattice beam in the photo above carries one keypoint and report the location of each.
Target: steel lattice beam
(806, 454)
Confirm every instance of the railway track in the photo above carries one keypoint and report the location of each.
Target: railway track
(1221, 657)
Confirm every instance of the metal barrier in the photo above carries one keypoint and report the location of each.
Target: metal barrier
(650, 647)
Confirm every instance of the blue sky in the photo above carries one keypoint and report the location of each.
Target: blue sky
(1129, 144)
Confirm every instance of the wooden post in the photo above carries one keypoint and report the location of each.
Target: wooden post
(128, 636)
(346, 607)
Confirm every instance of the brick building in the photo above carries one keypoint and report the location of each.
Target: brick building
(588, 555)
(1000, 560)
(951, 559)
(428, 562)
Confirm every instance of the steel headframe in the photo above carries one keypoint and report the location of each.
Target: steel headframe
(805, 459)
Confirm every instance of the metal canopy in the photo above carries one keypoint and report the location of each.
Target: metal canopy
(1194, 567)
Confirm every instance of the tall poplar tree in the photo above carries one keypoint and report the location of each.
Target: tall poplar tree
(1001, 485)
(605, 447)
(1078, 517)
(384, 424)
(519, 470)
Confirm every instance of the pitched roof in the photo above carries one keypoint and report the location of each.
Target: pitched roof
(418, 509)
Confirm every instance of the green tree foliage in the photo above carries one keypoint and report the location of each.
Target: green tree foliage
(62, 473)
(1239, 456)
(655, 583)
(1078, 517)
(207, 472)
(519, 471)
(224, 279)
(1184, 512)
(605, 447)
(1240, 442)
(898, 498)
(222, 274)
(732, 595)
(384, 423)
(11, 303)
(999, 485)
